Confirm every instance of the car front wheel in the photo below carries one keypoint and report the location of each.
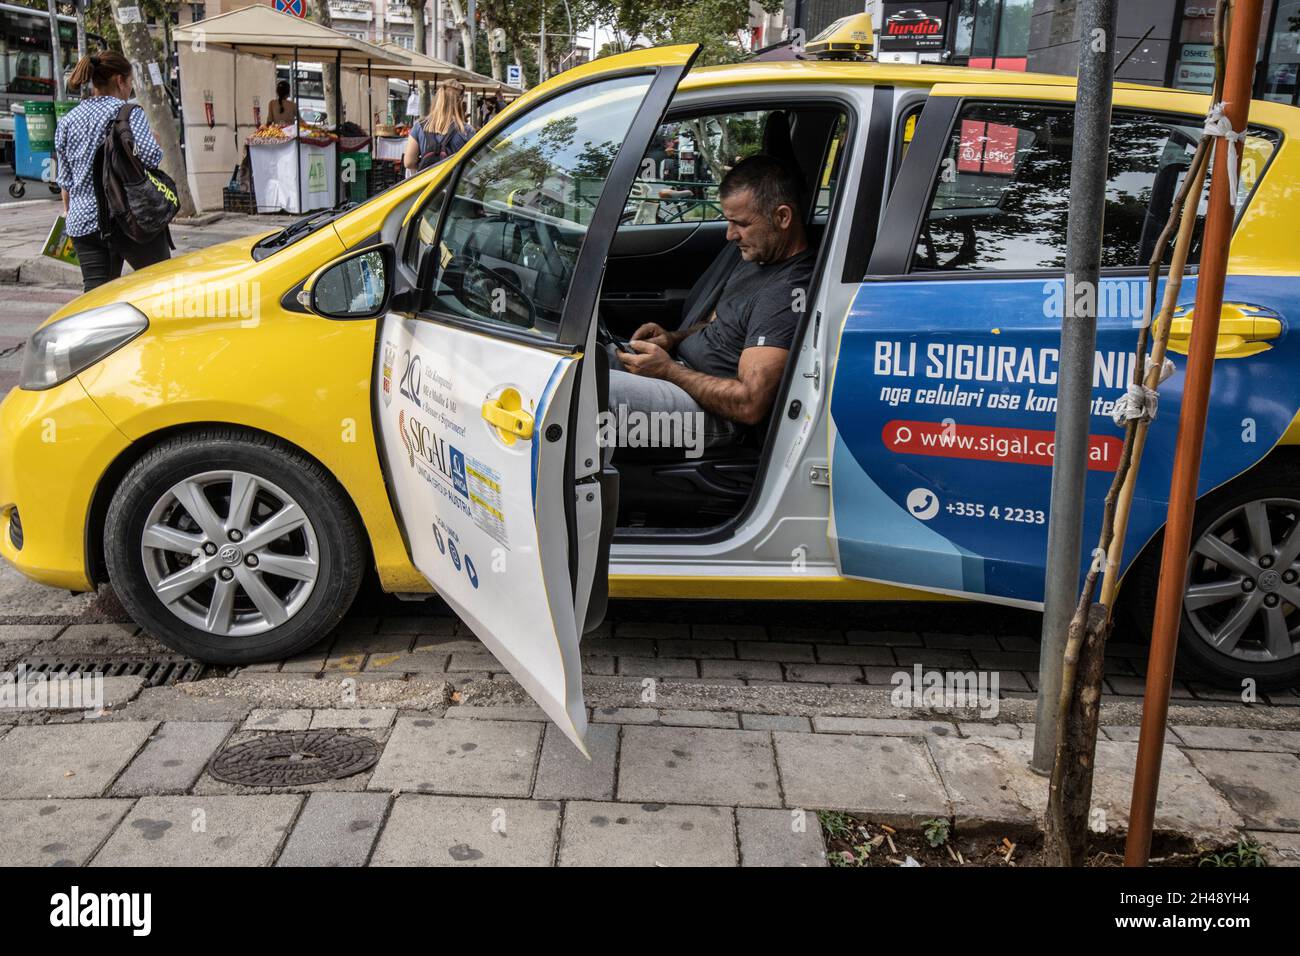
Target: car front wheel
(232, 547)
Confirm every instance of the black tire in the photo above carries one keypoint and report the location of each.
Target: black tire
(1278, 479)
(337, 538)
(17, 190)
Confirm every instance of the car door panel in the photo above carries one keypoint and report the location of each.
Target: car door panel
(470, 500)
(977, 479)
(943, 398)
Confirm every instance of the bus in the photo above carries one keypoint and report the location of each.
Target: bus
(26, 66)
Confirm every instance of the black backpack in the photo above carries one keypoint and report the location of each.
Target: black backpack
(134, 201)
(436, 152)
(442, 146)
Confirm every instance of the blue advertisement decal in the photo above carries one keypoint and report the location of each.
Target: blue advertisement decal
(944, 405)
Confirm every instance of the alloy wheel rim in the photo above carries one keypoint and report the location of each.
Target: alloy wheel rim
(1243, 582)
(230, 553)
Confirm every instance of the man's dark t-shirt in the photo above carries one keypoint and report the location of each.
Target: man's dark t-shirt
(757, 307)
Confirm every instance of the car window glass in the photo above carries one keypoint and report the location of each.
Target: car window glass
(513, 229)
(830, 174)
(1001, 197)
(424, 228)
(686, 161)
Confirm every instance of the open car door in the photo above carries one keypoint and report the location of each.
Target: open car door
(487, 388)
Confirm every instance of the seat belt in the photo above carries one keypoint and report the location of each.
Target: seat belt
(704, 295)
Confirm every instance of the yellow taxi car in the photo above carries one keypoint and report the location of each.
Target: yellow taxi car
(415, 384)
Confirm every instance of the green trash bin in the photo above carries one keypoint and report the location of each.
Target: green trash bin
(358, 187)
(63, 107)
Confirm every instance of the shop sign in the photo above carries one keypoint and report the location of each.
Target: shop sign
(911, 27)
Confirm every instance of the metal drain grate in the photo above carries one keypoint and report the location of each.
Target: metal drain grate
(294, 759)
(156, 671)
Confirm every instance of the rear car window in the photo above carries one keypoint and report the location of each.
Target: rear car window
(1001, 197)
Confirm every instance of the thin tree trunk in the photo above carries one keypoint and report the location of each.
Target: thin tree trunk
(138, 47)
(319, 12)
(1066, 838)
(494, 57)
(466, 38)
(421, 46)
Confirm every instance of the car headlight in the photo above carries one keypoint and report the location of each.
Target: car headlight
(61, 349)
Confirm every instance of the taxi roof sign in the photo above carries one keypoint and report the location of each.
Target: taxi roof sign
(848, 38)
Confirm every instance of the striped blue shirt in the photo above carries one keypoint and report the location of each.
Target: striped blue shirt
(76, 138)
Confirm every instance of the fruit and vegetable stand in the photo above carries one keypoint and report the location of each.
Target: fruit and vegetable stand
(295, 171)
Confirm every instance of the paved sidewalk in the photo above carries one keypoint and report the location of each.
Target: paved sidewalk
(711, 770)
(24, 227)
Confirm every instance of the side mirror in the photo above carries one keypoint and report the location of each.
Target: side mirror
(356, 286)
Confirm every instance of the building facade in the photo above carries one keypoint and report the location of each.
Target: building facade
(1161, 42)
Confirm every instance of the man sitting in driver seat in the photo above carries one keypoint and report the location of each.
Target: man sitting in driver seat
(723, 372)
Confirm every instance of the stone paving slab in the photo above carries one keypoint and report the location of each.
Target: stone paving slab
(693, 765)
(776, 722)
(496, 712)
(1263, 787)
(435, 755)
(650, 834)
(353, 718)
(564, 773)
(201, 831)
(335, 829)
(887, 726)
(55, 832)
(457, 831)
(67, 760)
(264, 719)
(779, 838)
(1281, 849)
(173, 758)
(888, 778)
(1187, 803)
(974, 777)
(1233, 738)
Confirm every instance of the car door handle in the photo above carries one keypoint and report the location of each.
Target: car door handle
(506, 413)
(1244, 330)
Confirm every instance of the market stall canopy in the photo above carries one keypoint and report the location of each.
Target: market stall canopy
(426, 65)
(261, 31)
(415, 65)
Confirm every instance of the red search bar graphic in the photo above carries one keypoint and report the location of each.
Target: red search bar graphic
(1021, 446)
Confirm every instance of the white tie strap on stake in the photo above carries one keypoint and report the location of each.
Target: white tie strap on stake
(1218, 125)
(1139, 403)
(1166, 368)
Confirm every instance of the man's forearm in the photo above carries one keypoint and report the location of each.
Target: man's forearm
(727, 398)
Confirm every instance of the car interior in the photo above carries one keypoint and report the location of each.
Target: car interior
(672, 233)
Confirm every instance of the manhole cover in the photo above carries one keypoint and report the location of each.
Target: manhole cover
(294, 759)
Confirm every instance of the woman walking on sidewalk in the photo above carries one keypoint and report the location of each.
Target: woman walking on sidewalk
(77, 137)
(442, 132)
